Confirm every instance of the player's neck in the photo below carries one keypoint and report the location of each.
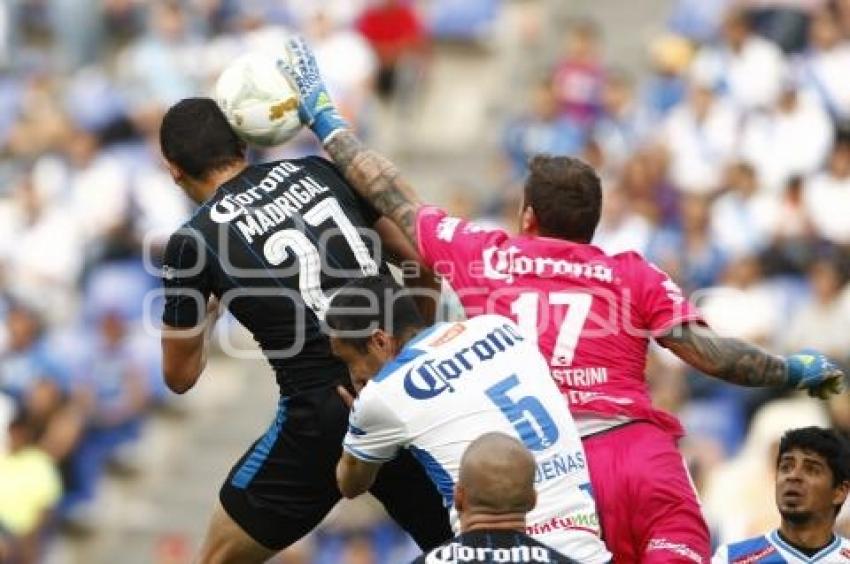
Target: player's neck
(408, 334)
(470, 522)
(203, 190)
(816, 533)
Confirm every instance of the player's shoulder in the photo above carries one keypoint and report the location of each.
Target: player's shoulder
(844, 548)
(448, 228)
(752, 550)
(489, 322)
(310, 164)
(630, 259)
(188, 237)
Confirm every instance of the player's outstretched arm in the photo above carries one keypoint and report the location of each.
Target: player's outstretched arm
(371, 174)
(377, 179)
(744, 364)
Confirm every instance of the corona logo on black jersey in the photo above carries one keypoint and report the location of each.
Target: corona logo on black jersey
(456, 552)
(233, 205)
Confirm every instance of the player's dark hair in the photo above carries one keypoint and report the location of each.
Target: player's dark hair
(823, 442)
(195, 136)
(366, 304)
(566, 196)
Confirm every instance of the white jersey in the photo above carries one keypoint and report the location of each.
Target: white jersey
(457, 381)
(771, 549)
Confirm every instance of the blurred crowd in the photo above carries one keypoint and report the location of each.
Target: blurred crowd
(726, 161)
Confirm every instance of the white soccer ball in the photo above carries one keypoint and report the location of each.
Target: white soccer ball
(259, 100)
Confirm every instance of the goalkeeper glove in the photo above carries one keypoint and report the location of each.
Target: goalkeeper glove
(316, 109)
(812, 371)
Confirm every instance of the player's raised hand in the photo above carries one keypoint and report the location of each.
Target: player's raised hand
(316, 109)
(812, 371)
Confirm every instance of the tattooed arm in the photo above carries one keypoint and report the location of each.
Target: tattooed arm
(376, 179)
(741, 363)
(733, 360)
(371, 174)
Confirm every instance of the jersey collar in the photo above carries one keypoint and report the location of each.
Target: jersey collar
(776, 539)
(407, 353)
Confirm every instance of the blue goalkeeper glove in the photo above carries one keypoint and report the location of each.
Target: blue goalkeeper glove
(812, 371)
(316, 109)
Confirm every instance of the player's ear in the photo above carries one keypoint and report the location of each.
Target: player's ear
(460, 498)
(381, 342)
(527, 221)
(175, 171)
(839, 494)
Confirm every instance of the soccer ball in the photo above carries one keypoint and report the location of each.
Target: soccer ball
(258, 99)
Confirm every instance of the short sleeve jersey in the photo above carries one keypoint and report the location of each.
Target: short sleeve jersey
(772, 549)
(273, 244)
(458, 381)
(591, 314)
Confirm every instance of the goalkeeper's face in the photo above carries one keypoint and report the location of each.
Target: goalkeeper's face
(805, 488)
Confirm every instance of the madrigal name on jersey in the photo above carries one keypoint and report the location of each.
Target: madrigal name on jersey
(257, 221)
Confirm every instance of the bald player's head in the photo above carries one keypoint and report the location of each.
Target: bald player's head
(496, 477)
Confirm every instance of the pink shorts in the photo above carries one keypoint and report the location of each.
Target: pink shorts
(645, 498)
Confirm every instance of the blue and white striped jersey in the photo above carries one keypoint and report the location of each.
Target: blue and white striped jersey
(771, 549)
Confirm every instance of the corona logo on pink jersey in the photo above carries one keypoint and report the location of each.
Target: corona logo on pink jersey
(506, 264)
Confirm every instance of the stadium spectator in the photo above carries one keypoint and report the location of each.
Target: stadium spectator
(27, 373)
(578, 76)
(665, 87)
(792, 240)
(162, 66)
(822, 321)
(624, 125)
(698, 20)
(114, 381)
(811, 484)
(827, 196)
(744, 218)
(784, 22)
(541, 130)
(822, 69)
(29, 489)
(699, 135)
(745, 66)
(792, 138)
(688, 251)
(744, 305)
(621, 228)
(396, 32)
(494, 492)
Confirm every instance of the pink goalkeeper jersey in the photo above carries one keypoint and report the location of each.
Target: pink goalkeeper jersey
(592, 314)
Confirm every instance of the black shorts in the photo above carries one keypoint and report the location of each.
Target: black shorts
(286, 483)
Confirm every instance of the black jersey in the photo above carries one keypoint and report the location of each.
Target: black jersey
(488, 547)
(272, 244)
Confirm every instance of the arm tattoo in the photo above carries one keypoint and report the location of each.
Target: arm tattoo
(376, 179)
(729, 359)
